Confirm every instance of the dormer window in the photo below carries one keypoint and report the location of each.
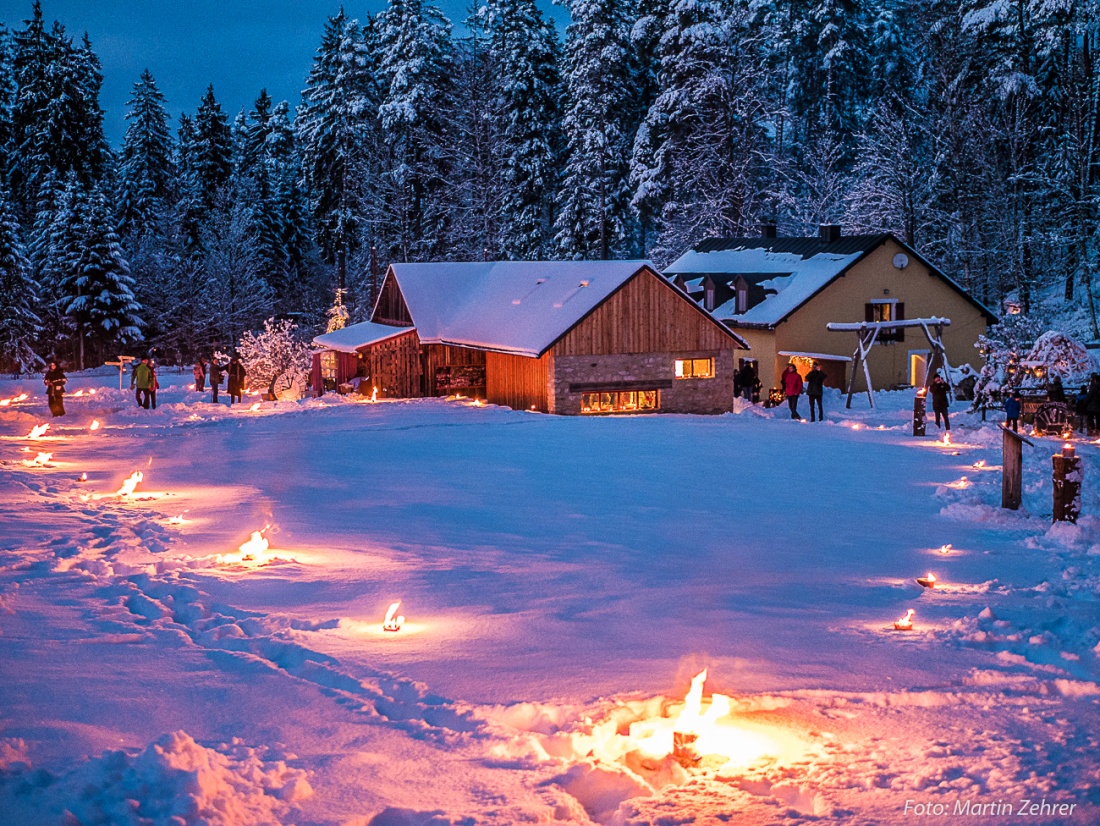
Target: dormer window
(709, 299)
(742, 298)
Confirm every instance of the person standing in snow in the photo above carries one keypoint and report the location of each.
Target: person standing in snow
(746, 381)
(1012, 411)
(199, 372)
(1080, 408)
(940, 402)
(792, 389)
(215, 378)
(815, 389)
(236, 379)
(55, 389)
(142, 380)
(1056, 393)
(154, 385)
(1092, 404)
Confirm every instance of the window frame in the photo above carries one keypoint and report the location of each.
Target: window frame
(685, 368)
(605, 402)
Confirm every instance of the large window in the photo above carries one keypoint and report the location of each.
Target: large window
(620, 401)
(886, 310)
(328, 370)
(694, 368)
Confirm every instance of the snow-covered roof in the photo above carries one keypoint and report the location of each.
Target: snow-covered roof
(354, 336)
(519, 307)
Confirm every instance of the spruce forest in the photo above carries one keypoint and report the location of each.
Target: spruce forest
(969, 128)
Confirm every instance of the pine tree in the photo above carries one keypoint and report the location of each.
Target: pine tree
(19, 320)
(146, 168)
(594, 219)
(523, 54)
(97, 291)
(338, 108)
(211, 149)
(415, 67)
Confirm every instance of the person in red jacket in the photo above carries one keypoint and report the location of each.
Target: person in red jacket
(792, 388)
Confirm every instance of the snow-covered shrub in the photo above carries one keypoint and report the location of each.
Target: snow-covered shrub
(1003, 347)
(277, 349)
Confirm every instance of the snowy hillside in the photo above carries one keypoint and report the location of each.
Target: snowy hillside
(562, 580)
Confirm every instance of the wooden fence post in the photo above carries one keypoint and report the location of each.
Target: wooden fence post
(920, 411)
(1012, 461)
(1067, 485)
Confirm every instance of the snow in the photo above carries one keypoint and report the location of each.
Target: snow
(519, 307)
(797, 279)
(349, 339)
(561, 578)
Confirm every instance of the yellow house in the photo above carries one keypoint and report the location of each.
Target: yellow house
(780, 293)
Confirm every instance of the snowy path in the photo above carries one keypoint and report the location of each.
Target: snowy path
(545, 562)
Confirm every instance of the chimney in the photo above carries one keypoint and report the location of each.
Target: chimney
(767, 230)
(829, 233)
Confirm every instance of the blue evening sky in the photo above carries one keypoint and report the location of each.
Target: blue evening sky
(241, 46)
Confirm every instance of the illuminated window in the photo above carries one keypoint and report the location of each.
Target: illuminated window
(882, 310)
(694, 368)
(620, 401)
(328, 365)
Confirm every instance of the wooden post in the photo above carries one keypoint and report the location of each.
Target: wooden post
(1012, 461)
(920, 412)
(1067, 485)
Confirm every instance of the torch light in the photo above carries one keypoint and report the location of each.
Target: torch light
(130, 484)
(254, 408)
(393, 621)
(83, 477)
(947, 439)
(906, 622)
(38, 431)
(41, 460)
(945, 549)
(1068, 450)
(978, 465)
(374, 394)
(928, 581)
(94, 426)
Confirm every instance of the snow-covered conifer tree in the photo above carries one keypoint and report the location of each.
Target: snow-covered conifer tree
(145, 168)
(19, 320)
(211, 148)
(594, 217)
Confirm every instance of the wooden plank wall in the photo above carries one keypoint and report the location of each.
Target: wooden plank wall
(517, 381)
(394, 366)
(391, 307)
(644, 316)
(443, 355)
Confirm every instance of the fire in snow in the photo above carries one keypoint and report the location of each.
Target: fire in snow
(252, 553)
(13, 400)
(94, 425)
(41, 460)
(38, 431)
(393, 621)
(254, 407)
(131, 483)
(928, 581)
(906, 622)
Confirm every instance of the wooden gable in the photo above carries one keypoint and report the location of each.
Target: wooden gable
(391, 307)
(645, 315)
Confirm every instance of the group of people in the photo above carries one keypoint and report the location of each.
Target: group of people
(1084, 405)
(233, 375)
(814, 385)
(143, 381)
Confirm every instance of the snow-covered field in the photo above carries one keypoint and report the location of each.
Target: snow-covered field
(561, 578)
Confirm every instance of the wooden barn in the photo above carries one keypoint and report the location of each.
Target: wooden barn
(565, 337)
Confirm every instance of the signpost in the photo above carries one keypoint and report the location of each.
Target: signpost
(121, 365)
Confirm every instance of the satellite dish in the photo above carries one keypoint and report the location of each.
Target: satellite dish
(901, 260)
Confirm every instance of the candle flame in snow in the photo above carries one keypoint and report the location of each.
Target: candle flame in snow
(979, 464)
(374, 394)
(38, 431)
(947, 438)
(176, 520)
(253, 552)
(961, 484)
(927, 581)
(906, 622)
(130, 484)
(38, 461)
(94, 425)
(254, 407)
(83, 477)
(945, 549)
(91, 391)
(393, 621)
(78, 394)
(13, 400)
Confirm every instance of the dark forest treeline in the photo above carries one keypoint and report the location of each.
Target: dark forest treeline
(970, 128)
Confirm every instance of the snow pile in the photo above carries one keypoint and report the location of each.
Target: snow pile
(174, 781)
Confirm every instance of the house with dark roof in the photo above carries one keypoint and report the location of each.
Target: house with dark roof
(780, 293)
(565, 337)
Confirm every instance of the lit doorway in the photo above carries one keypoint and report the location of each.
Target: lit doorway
(918, 367)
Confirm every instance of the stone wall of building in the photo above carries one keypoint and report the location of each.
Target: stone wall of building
(575, 375)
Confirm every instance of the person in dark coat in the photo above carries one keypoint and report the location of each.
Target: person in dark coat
(940, 401)
(815, 389)
(792, 389)
(1092, 404)
(1012, 411)
(746, 381)
(215, 379)
(55, 389)
(236, 379)
(1056, 393)
(199, 372)
(1080, 409)
(154, 384)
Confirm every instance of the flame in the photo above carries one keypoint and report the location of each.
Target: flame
(374, 394)
(38, 431)
(91, 391)
(130, 484)
(947, 438)
(961, 484)
(478, 403)
(254, 407)
(393, 622)
(922, 392)
(78, 394)
(84, 477)
(855, 426)
(255, 548)
(13, 400)
(700, 730)
(94, 425)
(945, 549)
(38, 461)
(979, 464)
(906, 622)
(176, 520)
